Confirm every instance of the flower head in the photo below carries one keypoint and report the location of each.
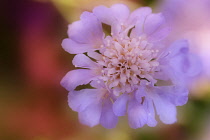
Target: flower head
(131, 71)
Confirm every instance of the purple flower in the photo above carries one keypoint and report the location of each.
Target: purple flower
(131, 71)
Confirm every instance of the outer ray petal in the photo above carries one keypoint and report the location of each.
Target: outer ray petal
(121, 12)
(160, 34)
(165, 109)
(137, 116)
(153, 22)
(119, 106)
(141, 92)
(193, 65)
(95, 55)
(150, 113)
(81, 60)
(80, 100)
(139, 15)
(178, 47)
(117, 13)
(88, 30)
(77, 77)
(74, 47)
(108, 118)
(178, 95)
(91, 115)
(104, 14)
(182, 61)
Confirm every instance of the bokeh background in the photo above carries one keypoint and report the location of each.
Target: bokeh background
(33, 105)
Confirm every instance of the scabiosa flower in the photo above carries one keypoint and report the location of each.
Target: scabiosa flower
(131, 71)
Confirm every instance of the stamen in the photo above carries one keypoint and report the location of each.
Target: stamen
(125, 69)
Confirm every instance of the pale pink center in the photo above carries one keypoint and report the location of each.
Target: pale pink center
(128, 63)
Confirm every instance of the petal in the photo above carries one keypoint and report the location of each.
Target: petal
(140, 93)
(104, 14)
(138, 30)
(160, 34)
(119, 106)
(137, 115)
(153, 22)
(83, 61)
(162, 75)
(192, 65)
(73, 47)
(165, 109)
(139, 15)
(80, 100)
(178, 47)
(177, 62)
(88, 30)
(148, 105)
(91, 115)
(175, 76)
(116, 28)
(94, 55)
(182, 61)
(120, 12)
(178, 95)
(77, 77)
(150, 113)
(108, 118)
(98, 84)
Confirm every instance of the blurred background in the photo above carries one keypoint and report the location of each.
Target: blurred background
(33, 105)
